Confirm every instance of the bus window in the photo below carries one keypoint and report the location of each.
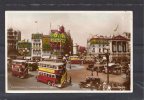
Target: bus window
(44, 65)
(39, 73)
(40, 64)
(45, 74)
(53, 76)
(54, 67)
(51, 66)
(47, 66)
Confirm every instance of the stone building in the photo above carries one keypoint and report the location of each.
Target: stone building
(119, 47)
(46, 47)
(61, 41)
(36, 52)
(13, 36)
(97, 44)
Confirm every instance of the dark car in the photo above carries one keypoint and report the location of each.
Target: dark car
(90, 67)
(91, 82)
(32, 66)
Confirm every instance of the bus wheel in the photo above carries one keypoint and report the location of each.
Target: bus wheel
(49, 83)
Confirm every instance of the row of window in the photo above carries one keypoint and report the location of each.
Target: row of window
(47, 74)
(100, 45)
(119, 48)
(36, 40)
(48, 66)
(100, 50)
(36, 44)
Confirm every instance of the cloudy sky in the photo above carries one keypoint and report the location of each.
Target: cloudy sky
(81, 24)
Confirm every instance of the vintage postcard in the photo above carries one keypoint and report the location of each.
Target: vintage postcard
(69, 51)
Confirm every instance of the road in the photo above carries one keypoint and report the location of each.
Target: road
(78, 73)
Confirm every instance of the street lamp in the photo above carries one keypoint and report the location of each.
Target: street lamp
(107, 58)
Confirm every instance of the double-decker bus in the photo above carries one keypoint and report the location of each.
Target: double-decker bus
(19, 68)
(52, 73)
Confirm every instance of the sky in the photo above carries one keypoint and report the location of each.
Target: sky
(82, 24)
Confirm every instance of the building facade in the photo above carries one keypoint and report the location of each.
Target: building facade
(119, 47)
(46, 47)
(61, 42)
(97, 44)
(36, 52)
(13, 37)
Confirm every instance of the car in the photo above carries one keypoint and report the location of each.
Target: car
(90, 67)
(32, 66)
(91, 82)
(113, 68)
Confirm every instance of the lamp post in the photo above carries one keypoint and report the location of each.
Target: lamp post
(107, 57)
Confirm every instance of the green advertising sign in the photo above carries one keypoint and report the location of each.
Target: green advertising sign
(57, 37)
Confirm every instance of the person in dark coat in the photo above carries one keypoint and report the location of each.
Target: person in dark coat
(70, 81)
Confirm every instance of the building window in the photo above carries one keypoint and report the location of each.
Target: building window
(99, 49)
(114, 46)
(93, 50)
(124, 46)
(119, 46)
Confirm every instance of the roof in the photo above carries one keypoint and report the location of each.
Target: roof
(50, 63)
(37, 36)
(46, 36)
(53, 31)
(119, 37)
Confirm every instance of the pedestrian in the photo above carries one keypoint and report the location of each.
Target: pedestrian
(92, 73)
(104, 85)
(70, 81)
(70, 64)
(64, 58)
(97, 70)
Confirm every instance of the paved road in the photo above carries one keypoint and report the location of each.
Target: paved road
(77, 72)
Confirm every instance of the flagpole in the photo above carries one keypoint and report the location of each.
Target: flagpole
(36, 26)
(116, 29)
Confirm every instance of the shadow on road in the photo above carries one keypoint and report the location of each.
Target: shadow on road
(29, 76)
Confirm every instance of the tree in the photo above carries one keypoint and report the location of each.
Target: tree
(46, 47)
